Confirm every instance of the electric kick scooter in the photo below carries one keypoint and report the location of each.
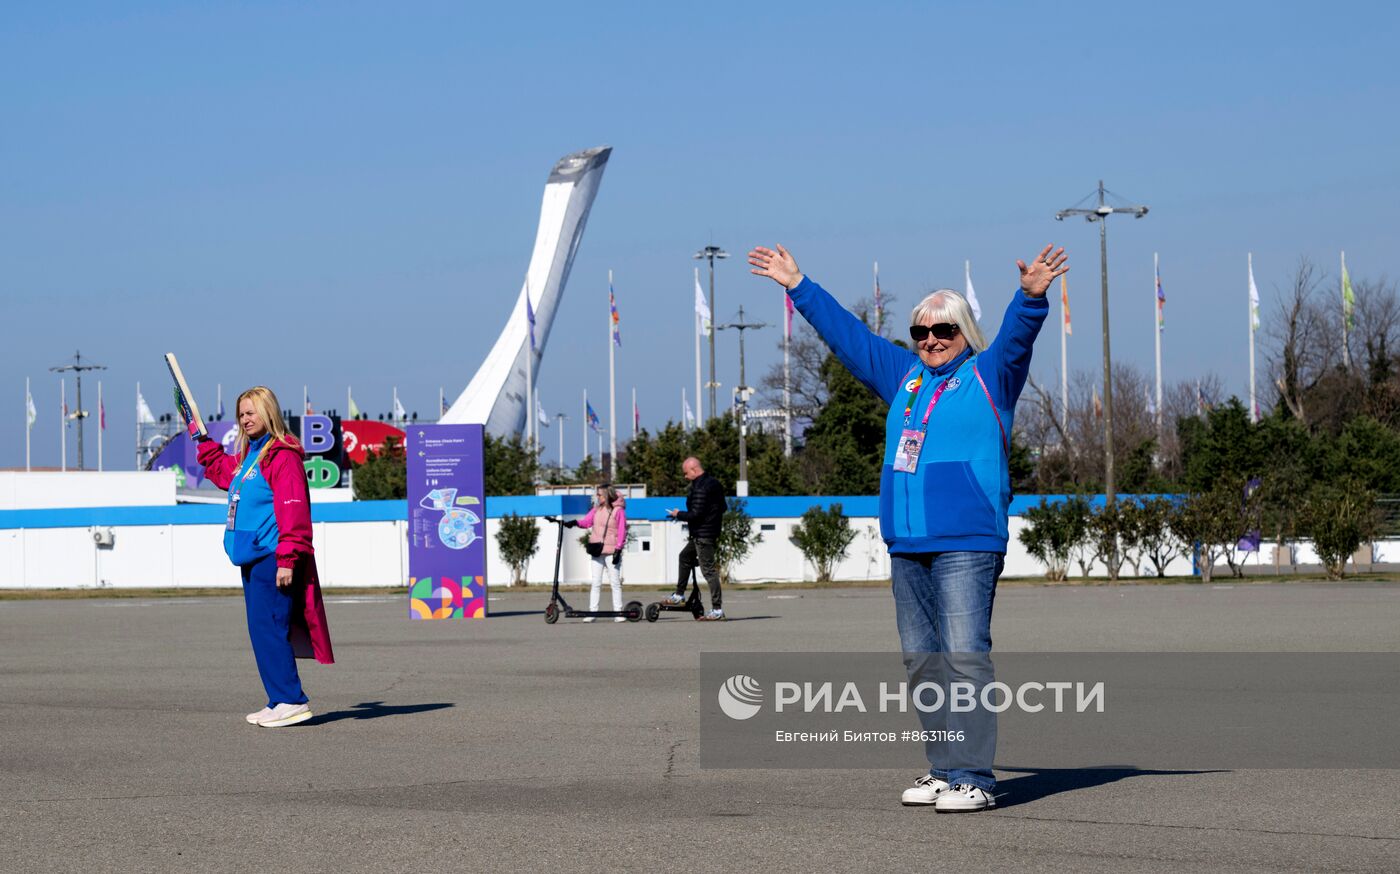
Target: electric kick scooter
(559, 607)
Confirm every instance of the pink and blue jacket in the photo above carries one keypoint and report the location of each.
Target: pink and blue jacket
(284, 471)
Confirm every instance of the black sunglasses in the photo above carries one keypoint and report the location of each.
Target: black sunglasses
(941, 331)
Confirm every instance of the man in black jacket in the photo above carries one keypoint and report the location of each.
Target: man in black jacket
(704, 514)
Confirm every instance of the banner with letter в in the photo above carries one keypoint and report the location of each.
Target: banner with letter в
(446, 522)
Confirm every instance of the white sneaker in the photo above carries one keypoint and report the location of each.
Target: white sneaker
(964, 798)
(619, 618)
(255, 718)
(589, 618)
(925, 790)
(675, 599)
(715, 615)
(286, 714)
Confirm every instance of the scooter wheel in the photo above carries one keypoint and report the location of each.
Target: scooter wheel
(653, 612)
(633, 611)
(551, 613)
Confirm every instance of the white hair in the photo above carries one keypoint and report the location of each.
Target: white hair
(946, 305)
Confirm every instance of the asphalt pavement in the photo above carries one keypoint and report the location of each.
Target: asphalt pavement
(510, 745)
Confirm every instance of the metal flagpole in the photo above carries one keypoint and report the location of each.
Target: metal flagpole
(27, 425)
(347, 401)
(1157, 333)
(219, 396)
(63, 424)
(684, 425)
(306, 402)
(697, 355)
(1346, 346)
(612, 391)
(787, 383)
(100, 423)
(138, 425)
(634, 412)
(583, 423)
(442, 404)
(1253, 404)
(1064, 355)
(529, 393)
(561, 417)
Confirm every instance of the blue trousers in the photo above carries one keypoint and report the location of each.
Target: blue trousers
(943, 605)
(269, 614)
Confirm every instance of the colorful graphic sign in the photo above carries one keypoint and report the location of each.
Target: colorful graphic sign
(332, 447)
(446, 522)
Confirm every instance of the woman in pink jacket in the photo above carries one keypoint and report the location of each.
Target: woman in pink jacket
(268, 535)
(607, 534)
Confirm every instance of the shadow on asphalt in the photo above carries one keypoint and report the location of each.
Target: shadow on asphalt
(374, 710)
(1034, 785)
(500, 614)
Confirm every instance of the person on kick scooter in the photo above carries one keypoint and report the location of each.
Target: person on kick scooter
(607, 533)
(704, 515)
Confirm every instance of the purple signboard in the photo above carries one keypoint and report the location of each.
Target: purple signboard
(446, 522)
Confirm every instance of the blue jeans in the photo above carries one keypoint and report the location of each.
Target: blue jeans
(269, 621)
(943, 604)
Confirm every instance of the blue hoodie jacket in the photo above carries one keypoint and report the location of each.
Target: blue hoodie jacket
(957, 497)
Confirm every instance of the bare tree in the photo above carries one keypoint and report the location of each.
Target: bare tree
(1303, 342)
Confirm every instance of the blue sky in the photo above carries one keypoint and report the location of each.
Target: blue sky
(331, 194)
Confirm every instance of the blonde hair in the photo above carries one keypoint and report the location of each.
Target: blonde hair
(270, 411)
(609, 494)
(946, 305)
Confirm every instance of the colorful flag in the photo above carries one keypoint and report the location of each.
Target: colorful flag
(530, 319)
(101, 414)
(787, 306)
(67, 419)
(309, 410)
(1161, 300)
(1064, 303)
(143, 411)
(972, 295)
(221, 402)
(689, 414)
(616, 320)
(540, 414)
(1098, 404)
(702, 307)
(399, 412)
(1253, 301)
(636, 417)
(31, 415)
(444, 404)
(1151, 405)
(1348, 296)
(593, 418)
(879, 303)
(354, 407)
(1202, 405)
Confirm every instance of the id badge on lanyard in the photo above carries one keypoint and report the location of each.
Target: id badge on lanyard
(911, 441)
(237, 495)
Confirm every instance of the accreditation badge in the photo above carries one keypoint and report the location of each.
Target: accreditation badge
(232, 512)
(906, 456)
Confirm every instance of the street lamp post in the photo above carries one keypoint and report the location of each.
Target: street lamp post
(742, 487)
(1100, 214)
(78, 367)
(710, 253)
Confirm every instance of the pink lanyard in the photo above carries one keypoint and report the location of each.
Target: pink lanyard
(938, 393)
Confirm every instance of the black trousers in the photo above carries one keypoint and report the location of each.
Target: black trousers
(701, 554)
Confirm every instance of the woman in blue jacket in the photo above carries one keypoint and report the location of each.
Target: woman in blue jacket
(944, 487)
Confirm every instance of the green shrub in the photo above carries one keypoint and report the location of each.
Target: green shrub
(518, 540)
(1054, 532)
(824, 536)
(1340, 519)
(736, 537)
(383, 476)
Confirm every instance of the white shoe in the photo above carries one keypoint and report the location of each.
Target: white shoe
(589, 618)
(925, 790)
(286, 714)
(675, 599)
(620, 619)
(964, 798)
(255, 718)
